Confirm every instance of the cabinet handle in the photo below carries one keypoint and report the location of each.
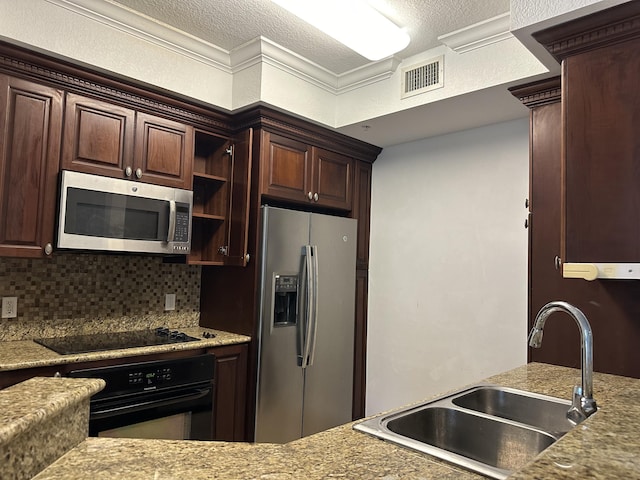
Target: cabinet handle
(557, 262)
(526, 203)
(128, 171)
(315, 196)
(310, 196)
(138, 173)
(48, 249)
(526, 223)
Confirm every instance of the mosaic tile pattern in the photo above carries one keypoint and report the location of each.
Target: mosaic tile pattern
(112, 291)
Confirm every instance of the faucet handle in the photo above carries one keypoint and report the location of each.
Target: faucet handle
(575, 414)
(581, 406)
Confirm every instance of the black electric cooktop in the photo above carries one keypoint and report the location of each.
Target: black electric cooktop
(113, 341)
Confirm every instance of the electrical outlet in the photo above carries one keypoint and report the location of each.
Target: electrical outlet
(170, 301)
(9, 307)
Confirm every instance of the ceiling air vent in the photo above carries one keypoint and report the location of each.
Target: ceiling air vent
(423, 77)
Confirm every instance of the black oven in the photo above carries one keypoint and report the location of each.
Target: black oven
(163, 399)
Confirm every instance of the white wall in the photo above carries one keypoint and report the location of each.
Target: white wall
(525, 13)
(448, 265)
(72, 33)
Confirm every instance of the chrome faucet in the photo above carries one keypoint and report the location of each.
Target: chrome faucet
(582, 403)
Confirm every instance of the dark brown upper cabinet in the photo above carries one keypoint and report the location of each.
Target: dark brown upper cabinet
(221, 189)
(107, 139)
(30, 135)
(611, 307)
(600, 209)
(296, 172)
(331, 179)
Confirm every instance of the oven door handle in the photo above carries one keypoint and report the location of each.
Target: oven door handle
(145, 405)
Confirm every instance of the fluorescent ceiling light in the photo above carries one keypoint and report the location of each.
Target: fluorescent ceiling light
(352, 22)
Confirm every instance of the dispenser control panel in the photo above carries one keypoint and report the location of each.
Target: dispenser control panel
(285, 303)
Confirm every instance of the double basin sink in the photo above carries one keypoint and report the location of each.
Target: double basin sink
(487, 429)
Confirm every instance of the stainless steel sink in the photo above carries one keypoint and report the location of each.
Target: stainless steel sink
(490, 430)
(546, 413)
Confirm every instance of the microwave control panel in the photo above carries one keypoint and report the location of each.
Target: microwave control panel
(182, 223)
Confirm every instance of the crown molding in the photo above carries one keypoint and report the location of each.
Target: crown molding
(145, 28)
(368, 74)
(606, 27)
(479, 34)
(257, 51)
(262, 50)
(536, 94)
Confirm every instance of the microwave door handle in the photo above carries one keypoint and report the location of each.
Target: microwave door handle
(172, 221)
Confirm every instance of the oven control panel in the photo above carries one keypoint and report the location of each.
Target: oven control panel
(149, 376)
(151, 379)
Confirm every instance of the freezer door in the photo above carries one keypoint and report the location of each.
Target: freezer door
(280, 379)
(329, 379)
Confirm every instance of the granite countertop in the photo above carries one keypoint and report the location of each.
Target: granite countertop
(40, 420)
(604, 446)
(20, 354)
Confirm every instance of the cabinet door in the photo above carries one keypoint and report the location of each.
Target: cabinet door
(230, 398)
(611, 307)
(362, 211)
(601, 102)
(360, 344)
(98, 137)
(163, 152)
(30, 133)
(238, 217)
(332, 176)
(287, 168)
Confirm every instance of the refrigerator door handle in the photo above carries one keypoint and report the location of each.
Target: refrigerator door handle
(307, 275)
(314, 307)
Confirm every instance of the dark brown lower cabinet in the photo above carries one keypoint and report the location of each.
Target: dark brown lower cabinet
(360, 344)
(230, 400)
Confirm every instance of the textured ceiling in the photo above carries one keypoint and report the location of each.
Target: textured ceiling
(231, 23)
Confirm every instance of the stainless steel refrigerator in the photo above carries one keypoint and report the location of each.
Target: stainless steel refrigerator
(305, 371)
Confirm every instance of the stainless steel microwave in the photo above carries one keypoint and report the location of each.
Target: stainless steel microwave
(111, 214)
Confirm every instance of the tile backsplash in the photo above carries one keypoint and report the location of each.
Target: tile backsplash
(83, 293)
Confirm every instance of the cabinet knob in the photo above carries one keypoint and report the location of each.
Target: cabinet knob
(128, 171)
(557, 261)
(310, 196)
(526, 203)
(48, 249)
(315, 197)
(138, 173)
(526, 223)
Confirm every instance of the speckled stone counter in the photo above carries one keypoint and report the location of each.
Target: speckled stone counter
(20, 354)
(604, 446)
(40, 420)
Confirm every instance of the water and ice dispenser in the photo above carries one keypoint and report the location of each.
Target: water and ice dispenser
(285, 303)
